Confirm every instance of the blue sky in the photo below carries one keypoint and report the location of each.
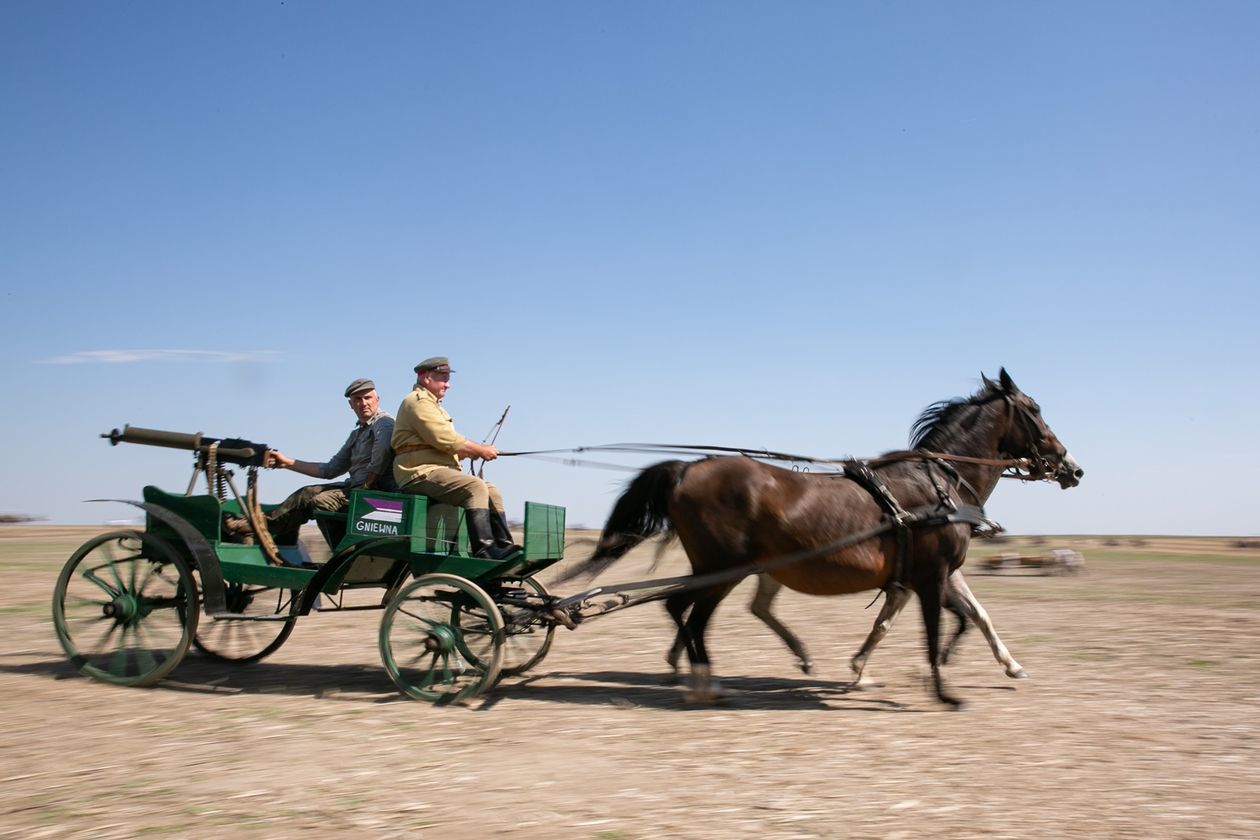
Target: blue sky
(789, 226)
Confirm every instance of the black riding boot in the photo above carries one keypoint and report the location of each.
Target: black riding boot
(481, 536)
(502, 534)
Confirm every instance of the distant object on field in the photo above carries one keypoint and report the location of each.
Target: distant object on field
(1056, 561)
(18, 518)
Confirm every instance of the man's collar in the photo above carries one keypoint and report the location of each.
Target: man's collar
(426, 392)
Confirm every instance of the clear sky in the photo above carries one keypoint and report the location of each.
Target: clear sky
(781, 225)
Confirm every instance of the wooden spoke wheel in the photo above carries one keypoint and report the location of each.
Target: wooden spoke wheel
(270, 614)
(125, 608)
(525, 640)
(426, 647)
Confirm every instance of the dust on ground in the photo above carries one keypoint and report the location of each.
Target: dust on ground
(1139, 721)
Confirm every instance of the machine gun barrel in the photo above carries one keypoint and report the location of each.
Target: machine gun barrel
(232, 450)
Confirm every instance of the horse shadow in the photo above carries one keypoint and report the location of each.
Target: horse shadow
(648, 690)
(361, 683)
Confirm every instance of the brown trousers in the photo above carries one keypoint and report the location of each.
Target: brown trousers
(453, 487)
(284, 520)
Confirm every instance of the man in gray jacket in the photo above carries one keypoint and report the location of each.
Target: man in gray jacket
(366, 456)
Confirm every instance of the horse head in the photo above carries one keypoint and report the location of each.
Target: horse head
(1028, 436)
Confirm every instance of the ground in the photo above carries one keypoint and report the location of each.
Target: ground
(1139, 720)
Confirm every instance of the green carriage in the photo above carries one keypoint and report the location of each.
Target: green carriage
(129, 604)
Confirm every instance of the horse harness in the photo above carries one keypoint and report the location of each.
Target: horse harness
(901, 521)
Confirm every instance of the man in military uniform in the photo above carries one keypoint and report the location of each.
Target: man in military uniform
(365, 456)
(427, 452)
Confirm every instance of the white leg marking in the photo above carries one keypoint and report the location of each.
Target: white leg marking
(895, 600)
(977, 614)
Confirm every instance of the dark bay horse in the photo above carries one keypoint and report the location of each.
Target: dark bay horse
(735, 512)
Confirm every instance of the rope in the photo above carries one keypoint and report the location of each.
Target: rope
(258, 520)
(214, 482)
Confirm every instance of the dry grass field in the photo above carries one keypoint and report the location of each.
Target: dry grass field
(1139, 720)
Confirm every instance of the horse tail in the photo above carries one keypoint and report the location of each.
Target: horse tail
(641, 512)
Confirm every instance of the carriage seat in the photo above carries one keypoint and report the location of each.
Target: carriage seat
(372, 514)
(407, 524)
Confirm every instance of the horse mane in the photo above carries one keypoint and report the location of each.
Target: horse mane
(939, 422)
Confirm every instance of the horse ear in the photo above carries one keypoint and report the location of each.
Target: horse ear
(1008, 384)
(989, 384)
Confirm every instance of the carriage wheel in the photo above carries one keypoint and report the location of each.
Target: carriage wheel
(125, 608)
(425, 648)
(525, 643)
(241, 641)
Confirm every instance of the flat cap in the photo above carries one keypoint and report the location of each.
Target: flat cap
(438, 363)
(360, 385)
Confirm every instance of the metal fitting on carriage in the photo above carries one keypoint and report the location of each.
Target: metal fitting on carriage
(613, 603)
(562, 617)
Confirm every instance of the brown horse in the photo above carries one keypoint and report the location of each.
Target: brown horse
(734, 512)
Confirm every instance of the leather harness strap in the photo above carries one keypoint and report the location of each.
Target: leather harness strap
(945, 512)
(861, 474)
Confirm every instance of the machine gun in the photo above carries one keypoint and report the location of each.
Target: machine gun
(246, 453)
(210, 456)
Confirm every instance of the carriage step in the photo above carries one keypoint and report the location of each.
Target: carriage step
(242, 617)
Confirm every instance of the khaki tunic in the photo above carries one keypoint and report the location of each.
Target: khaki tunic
(425, 443)
(424, 437)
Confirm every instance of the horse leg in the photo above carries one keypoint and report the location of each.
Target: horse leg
(767, 589)
(931, 591)
(703, 688)
(677, 605)
(895, 599)
(954, 604)
(967, 601)
(675, 650)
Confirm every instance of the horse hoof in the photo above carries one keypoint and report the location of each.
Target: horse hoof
(702, 688)
(807, 667)
(707, 695)
(1017, 674)
(700, 698)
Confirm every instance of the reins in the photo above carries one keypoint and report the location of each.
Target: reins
(677, 449)
(1035, 468)
(705, 450)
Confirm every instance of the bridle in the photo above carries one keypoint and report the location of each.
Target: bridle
(1035, 466)
(1032, 467)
